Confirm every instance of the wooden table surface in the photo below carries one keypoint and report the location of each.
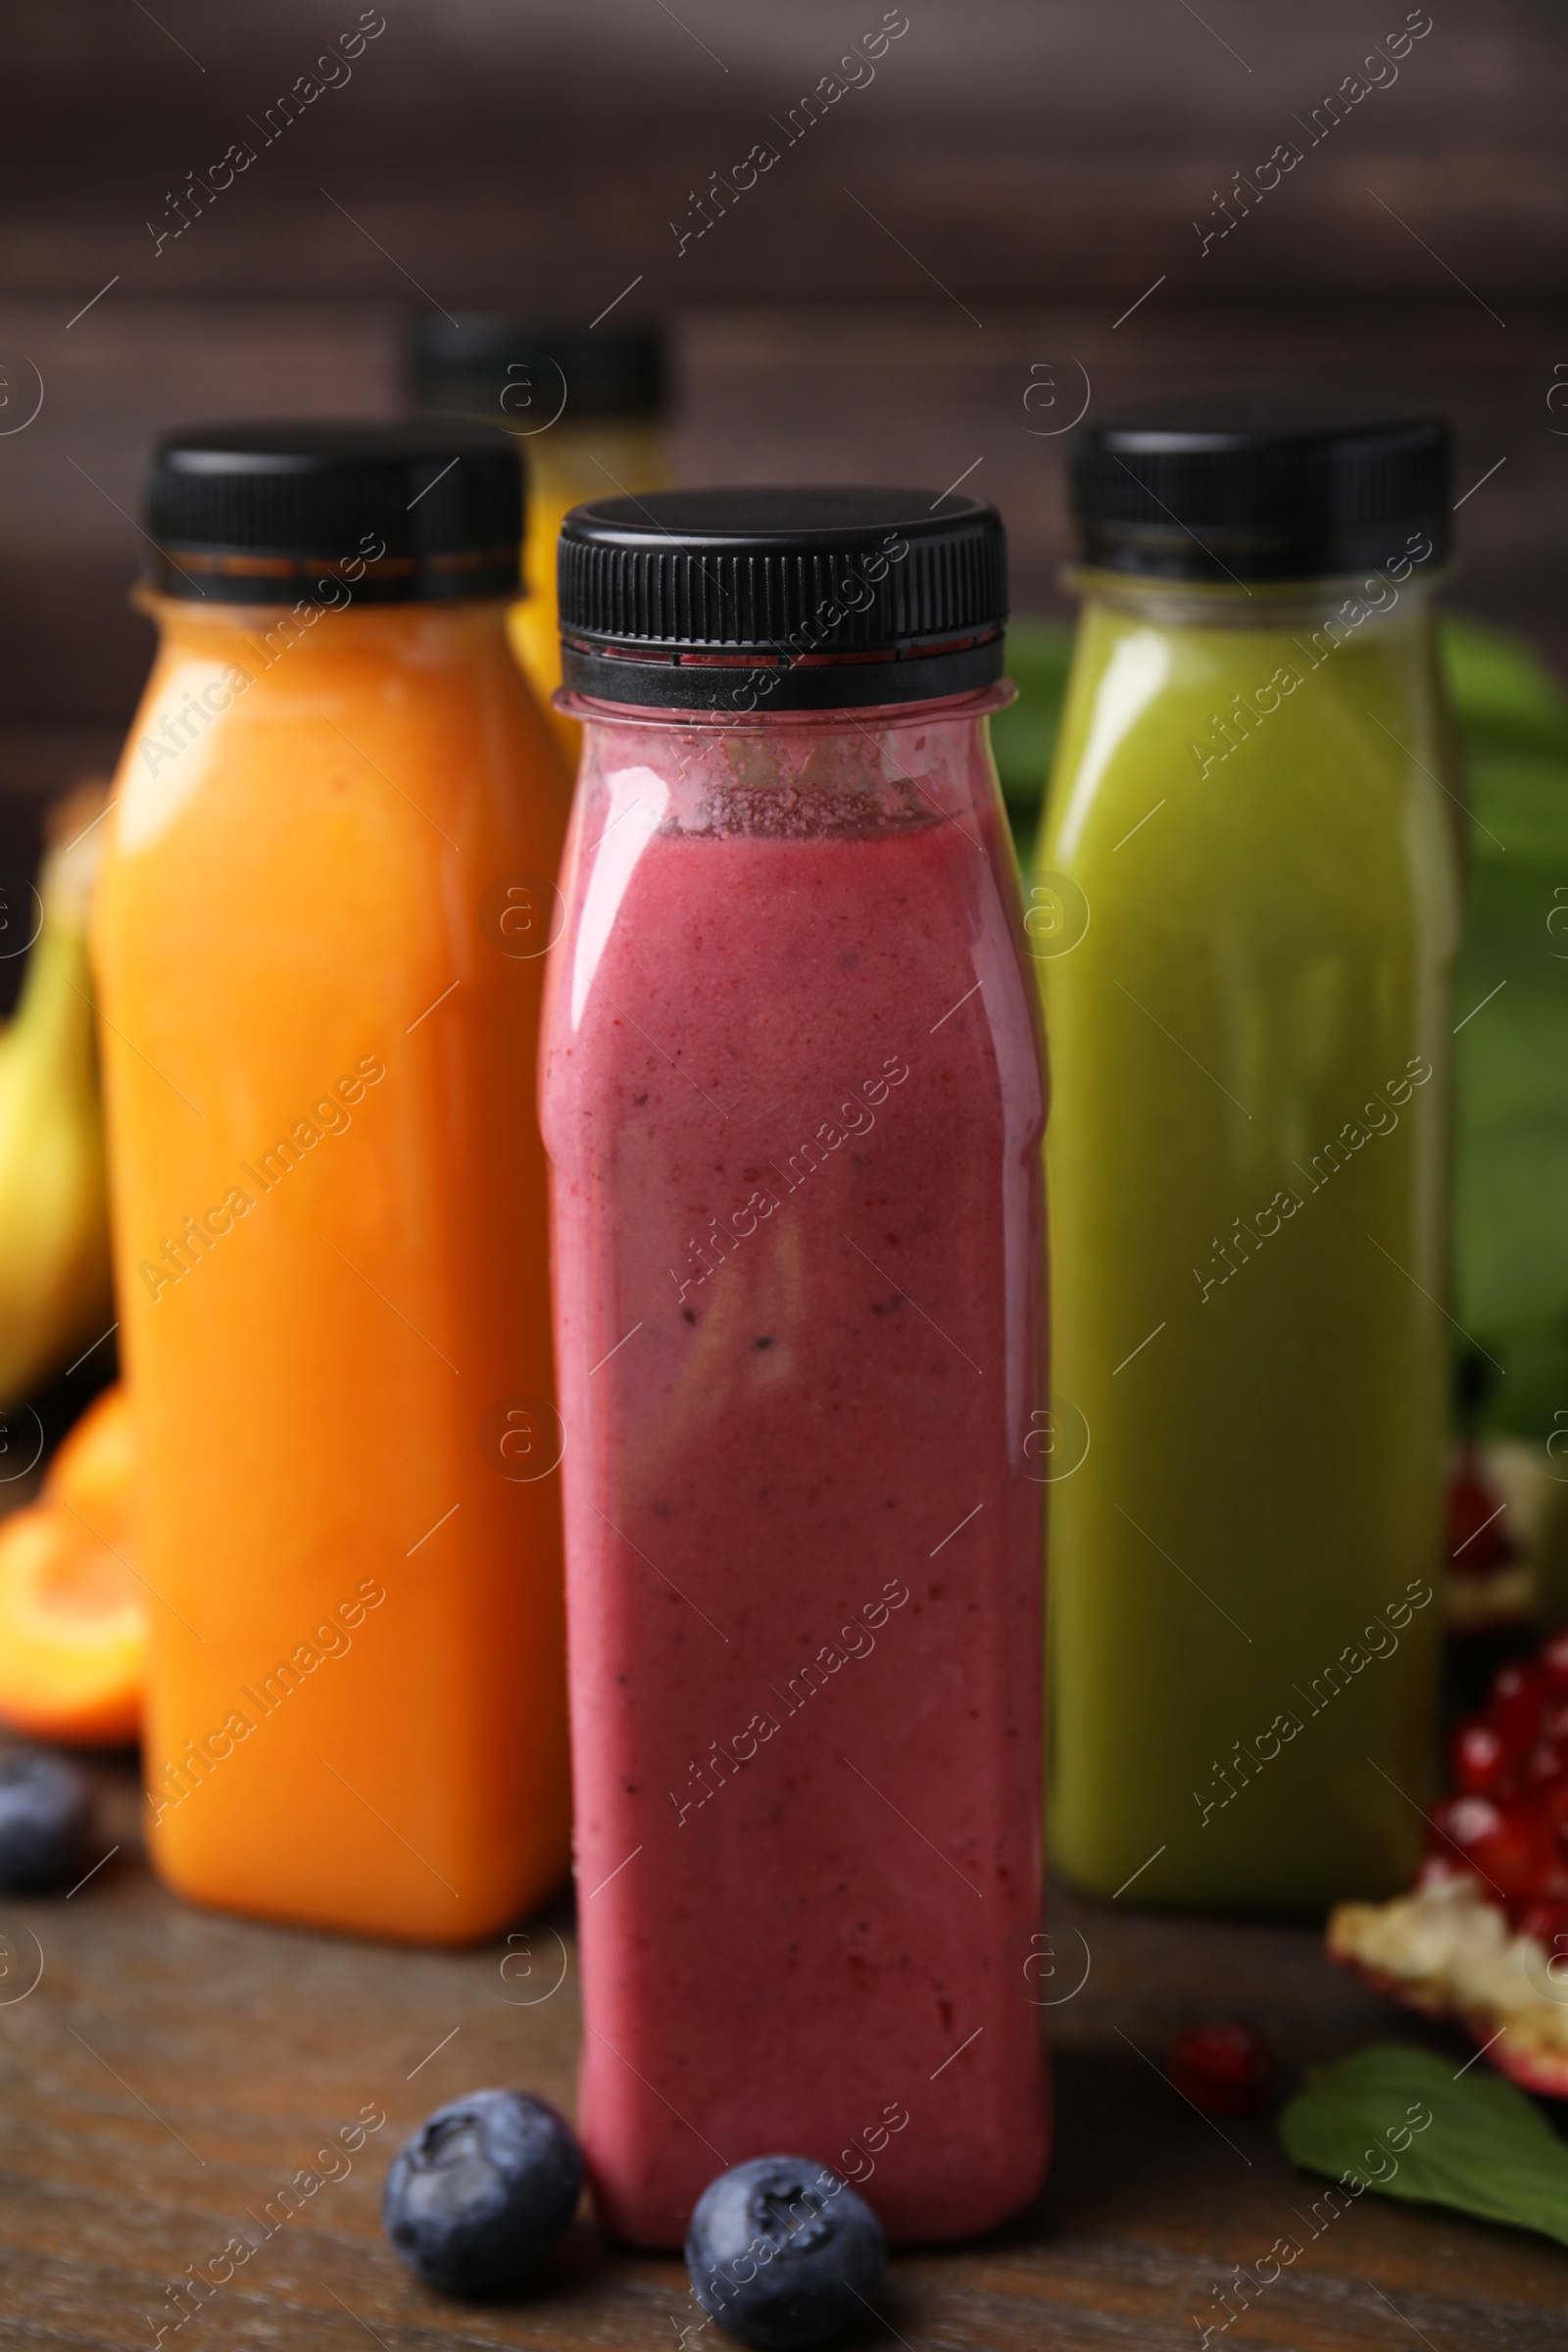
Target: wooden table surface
(171, 2070)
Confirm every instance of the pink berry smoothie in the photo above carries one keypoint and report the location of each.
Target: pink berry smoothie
(793, 1100)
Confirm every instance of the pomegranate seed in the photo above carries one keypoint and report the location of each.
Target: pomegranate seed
(1459, 1821)
(1436, 1868)
(1549, 1885)
(1225, 2070)
(1518, 1694)
(1509, 1848)
(1517, 1860)
(1480, 1758)
(1546, 1920)
(1554, 1660)
(1542, 1768)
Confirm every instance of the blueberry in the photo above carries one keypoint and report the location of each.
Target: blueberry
(46, 1817)
(784, 2254)
(482, 2192)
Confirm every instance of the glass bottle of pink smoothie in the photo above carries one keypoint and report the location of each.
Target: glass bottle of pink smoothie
(793, 1100)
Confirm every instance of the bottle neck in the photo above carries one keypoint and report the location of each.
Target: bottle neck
(252, 635)
(862, 720)
(570, 462)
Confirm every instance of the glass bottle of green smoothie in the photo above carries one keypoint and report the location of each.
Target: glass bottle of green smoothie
(1246, 907)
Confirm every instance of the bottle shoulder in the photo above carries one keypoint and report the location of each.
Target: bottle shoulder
(1264, 729)
(243, 741)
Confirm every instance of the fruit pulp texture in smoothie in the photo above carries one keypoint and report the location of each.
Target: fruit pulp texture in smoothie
(1245, 946)
(331, 1258)
(794, 1101)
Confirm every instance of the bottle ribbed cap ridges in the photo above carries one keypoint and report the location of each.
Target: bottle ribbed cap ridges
(781, 599)
(255, 513)
(1261, 487)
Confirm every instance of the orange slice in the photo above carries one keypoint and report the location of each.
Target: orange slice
(94, 1469)
(72, 1621)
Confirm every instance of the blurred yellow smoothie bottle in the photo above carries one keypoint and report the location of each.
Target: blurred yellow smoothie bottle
(320, 941)
(1246, 907)
(588, 406)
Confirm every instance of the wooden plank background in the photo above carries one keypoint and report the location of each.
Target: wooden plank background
(1014, 176)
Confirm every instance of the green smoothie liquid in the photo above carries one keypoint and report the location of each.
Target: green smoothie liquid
(1246, 903)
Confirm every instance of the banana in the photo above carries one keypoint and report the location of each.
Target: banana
(55, 1294)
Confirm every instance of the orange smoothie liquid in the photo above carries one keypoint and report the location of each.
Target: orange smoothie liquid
(316, 949)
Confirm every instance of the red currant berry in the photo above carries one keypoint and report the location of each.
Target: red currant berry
(1225, 2070)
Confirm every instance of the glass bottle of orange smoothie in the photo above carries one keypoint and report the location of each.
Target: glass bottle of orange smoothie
(320, 950)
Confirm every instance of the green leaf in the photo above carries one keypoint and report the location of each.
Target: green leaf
(1512, 1243)
(1501, 691)
(1023, 736)
(1486, 2150)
